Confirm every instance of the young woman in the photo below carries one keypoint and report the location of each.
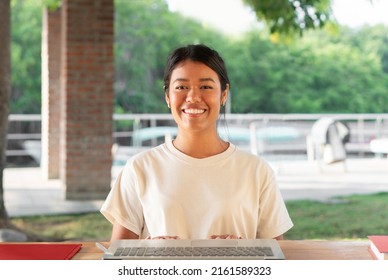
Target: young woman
(196, 186)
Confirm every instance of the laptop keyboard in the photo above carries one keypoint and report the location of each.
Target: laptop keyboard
(190, 252)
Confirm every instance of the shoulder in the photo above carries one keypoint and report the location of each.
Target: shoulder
(154, 154)
(143, 164)
(243, 155)
(253, 164)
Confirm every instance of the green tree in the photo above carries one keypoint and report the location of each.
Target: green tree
(316, 74)
(146, 31)
(26, 18)
(303, 75)
(348, 77)
(292, 16)
(250, 69)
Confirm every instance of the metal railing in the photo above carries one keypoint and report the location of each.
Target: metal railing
(363, 128)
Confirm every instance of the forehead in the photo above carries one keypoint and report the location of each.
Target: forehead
(192, 70)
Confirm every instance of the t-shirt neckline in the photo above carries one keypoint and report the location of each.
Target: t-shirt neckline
(200, 161)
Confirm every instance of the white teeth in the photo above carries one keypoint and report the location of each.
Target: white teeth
(194, 111)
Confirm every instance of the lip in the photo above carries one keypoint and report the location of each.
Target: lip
(193, 110)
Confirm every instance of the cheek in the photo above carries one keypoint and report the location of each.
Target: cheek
(214, 100)
(176, 99)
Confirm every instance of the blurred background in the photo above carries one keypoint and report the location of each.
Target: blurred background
(283, 84)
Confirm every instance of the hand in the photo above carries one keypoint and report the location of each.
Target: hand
(225, 236)
(163, 237)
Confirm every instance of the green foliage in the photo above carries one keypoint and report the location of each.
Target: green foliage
(145, 34)
(321, 72)
(51, 5)
(350, 217)
(26, 26)
(318, 73)
(292, 16)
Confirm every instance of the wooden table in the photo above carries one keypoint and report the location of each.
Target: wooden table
(292, 249)
(325, 250)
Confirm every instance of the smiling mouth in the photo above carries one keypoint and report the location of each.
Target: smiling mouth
(194, 111)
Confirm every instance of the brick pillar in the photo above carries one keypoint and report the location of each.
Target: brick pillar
(51, 58)
(87, 97)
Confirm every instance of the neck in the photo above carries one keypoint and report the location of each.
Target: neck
(198, 146)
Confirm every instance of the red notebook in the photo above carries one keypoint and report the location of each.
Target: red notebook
(379, 246)
(38, 251)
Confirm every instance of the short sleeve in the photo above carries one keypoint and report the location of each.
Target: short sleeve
(274, 219)
(123, 204)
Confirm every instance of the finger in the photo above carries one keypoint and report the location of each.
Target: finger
(165, 237)
(172, 237)
(221, 236)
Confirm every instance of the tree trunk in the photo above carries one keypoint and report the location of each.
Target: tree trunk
(5, 91)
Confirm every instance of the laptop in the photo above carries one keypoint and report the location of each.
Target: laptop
(196, 249)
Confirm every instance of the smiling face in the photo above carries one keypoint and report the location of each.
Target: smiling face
(195, 96)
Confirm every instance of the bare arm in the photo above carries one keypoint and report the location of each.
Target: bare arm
(280, 237)
(120, 232)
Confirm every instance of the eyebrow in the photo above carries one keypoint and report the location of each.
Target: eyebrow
(207, 80)
(201, 80)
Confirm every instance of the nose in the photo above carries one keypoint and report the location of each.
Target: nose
(193, 95)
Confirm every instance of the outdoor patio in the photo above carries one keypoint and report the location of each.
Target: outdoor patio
(27, 193)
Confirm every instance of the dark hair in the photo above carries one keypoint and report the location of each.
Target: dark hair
(198, 53)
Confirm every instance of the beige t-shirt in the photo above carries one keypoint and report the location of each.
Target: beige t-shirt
(165, 192)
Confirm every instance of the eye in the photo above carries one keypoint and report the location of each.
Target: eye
(206, 87)
(181, 87)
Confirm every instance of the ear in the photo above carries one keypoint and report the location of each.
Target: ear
(167, 98)
(224, 95)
